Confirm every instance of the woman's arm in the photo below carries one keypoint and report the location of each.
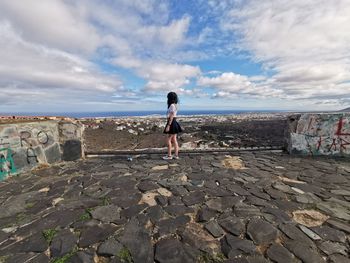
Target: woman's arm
(170, 120)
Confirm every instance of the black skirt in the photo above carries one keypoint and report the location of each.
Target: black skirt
(175, 127)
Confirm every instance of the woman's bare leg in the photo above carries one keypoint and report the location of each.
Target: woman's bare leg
(176, 145)
(168, 140)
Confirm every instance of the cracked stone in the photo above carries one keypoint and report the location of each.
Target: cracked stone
(331, 234)
(205, 214)
(280, 254)
(177, 210)
(194, 198)
(171, 250)
(257, 259)
(195, 236)
(94, 234)
(306, 253)
(133, 210)
(331, 248)
(283, 187)
(35, 243)
(279, 215)
(237, 190)
(334, 209)
(138, 241)
(127, 200)
(339, 259)
(233, 246)
(232, 224)
(262, 232)
(296, 234)
(170, 225)
(145, 186)
(214, 229)
(244, 210)
(155, 213)
(86, 256)
(62, 243)
(107, 214)
(110, 247)
(341, 192)
(339, 225)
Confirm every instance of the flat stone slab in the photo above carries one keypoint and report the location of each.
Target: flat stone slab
(262, 232)
(106, 214)
(138, 241)
(214, 229)
(331, 234)
(194, 198)
(278, 253)
(171, 250)
(306, 253)
(331, 248)
(195, 236)
(95, 234)
(233, 246)
(233, 225)
(62, 243)
(110, 247)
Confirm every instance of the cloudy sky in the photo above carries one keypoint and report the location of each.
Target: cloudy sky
(120, 55)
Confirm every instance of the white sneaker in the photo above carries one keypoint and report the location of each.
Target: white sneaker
(176, 157)
(167, 157)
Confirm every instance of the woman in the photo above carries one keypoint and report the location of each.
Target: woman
(172, 127)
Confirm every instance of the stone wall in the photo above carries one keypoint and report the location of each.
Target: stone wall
(25, 145)
(319, 134)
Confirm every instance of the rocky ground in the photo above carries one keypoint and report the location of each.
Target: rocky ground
(244, 130)
(247, 207)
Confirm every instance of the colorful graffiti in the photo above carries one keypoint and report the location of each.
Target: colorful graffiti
(7, 165)
(322, 134)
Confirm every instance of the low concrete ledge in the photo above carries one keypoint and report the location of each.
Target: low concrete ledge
(25, 145)
(319, 134)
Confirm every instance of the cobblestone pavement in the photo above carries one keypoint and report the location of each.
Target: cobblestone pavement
(201, 208)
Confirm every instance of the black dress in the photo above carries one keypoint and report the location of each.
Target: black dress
(175, 127)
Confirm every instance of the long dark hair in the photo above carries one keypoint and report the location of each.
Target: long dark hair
(172, 98)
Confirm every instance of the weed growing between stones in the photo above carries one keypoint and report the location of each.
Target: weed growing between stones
(3, 259)
(49, 234)
(20, 217)
(86, 215)
(205, 257)
(106, 201)
(30, 205)
(65, 258)
(125, 256)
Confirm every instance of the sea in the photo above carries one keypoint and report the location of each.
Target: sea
(137, 113)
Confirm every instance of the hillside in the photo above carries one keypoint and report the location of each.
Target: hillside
(345, 110)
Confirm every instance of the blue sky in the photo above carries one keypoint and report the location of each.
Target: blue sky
(124, 55)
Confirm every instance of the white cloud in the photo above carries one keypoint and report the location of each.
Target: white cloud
(36, 71)
(306, 43)
(230, 84)
(53, 23)
(166, 77)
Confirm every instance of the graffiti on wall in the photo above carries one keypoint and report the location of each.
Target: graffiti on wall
(29, 139)
(322, 134)
(7, 165)
(26, 145)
